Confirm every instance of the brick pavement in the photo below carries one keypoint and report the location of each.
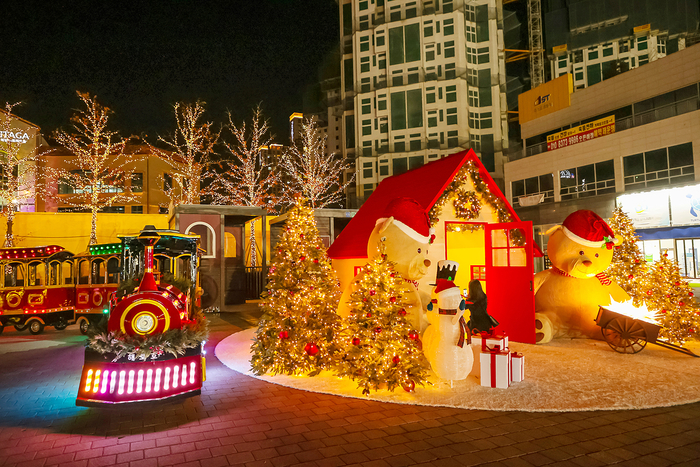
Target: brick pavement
(243, 421)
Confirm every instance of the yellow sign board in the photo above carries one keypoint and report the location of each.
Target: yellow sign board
(559, 48)
(582, 133)
(545, 99)
(642, 28)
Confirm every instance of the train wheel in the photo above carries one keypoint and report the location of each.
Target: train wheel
(36, 327)
(61, 324)
(20, 327)
(84, 325)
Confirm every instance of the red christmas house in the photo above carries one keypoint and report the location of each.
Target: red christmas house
(474, 225)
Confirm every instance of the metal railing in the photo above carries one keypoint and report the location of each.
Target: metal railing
(254, 282)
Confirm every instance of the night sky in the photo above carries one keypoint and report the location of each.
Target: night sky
(140, 57)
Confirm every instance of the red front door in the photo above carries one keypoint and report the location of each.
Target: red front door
(510, 273)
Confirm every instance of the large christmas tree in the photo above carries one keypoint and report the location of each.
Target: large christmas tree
(298, 331)
(381, 347)
(628, 267)
(672, 300)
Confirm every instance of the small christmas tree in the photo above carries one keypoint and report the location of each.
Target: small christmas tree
(628, 267)
(381, 346)
(297, 333)
(672, 299)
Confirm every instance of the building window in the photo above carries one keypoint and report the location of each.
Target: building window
(411, 11)
(451, 93)
(427, 29)
(381, 103)
(588, 180)
(623, 46)
(114, 209)
(665, 166)
(452, 116)
(448, 27)
(450, 72)
(452, 139)
(137, 183)
(479, 121)
(483, 55)
(430, 95)
(432, 118)
(400, 165)
(207, 237)
(366, 127)
(379, 37)
(532, 186)
(364, 22)
(363, 5)
(136, 209)
(367, 170)
(593, 53)
(473, 98)
(366, 106)
(471, 33)
(607, 50)
(469, 12)
(364, 44)
(364, 65)
(167, 182)
(642, 43)
(449, 49)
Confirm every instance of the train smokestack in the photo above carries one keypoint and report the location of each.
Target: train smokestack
(149, 237)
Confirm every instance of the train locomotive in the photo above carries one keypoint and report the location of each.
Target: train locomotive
(145, 317)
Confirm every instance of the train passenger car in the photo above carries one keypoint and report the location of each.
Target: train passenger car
(49, 286)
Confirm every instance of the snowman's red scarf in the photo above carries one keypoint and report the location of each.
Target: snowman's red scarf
(602, 278)
(462, 323)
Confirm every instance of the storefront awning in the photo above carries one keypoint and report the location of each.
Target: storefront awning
(669, 232)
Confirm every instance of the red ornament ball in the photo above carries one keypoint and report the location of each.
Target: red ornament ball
(665, 255)
(691, 294)
(302, 258)
(392, 299)
(315, 261)
(301, 236)
(311, 348)
(284, 335)
(409, 386)
(677, 284)
(691, 330)
(369, 315)
(413, 335)
(402, 312)
(663, 311)
(355, 341)
(291, 292)
(377, 330)
(648, 292)
(636, 260)
(396, 359)
(372, 292)
(681, 303)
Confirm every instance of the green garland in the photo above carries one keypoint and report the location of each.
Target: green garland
(175, 341)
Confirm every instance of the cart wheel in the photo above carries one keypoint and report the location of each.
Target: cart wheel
(20, 327)
(61, 324)
(626, 336)
(84, 325)
(36, 327)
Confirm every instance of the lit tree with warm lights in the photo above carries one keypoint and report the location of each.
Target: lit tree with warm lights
(672, 300)
(247, 180)
(17, 171)
(298, 330)
(189, 152)
(382, 350)
(98, 170)
(313, 173)
(628, 267)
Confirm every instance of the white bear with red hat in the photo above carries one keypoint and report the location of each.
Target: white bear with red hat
(568, 295)
(444, 341)
(403, 234)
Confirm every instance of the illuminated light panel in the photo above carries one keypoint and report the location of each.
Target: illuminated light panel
(130, 384)
(113, 381)
(193, 367)
(139, 382)
(88, 381)
(149, 380)
(156, 383)
(96, 385)
(176, 370)
(122, 380)
(184, 375)
(105, 381)
(166, 379)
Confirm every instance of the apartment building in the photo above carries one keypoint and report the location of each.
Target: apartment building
(631, 140)
(594, 40)
(420, 80)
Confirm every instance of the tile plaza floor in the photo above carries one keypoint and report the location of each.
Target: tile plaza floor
(243, 421)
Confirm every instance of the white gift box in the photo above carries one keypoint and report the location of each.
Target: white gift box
(495, 368)
(517, 367)
(492, 340)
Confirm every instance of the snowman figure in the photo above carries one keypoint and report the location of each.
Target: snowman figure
(444, 340)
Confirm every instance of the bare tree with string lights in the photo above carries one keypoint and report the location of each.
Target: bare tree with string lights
(17, 171)
(190, 152)
(314, 173)
(247, 179)
(97, 168)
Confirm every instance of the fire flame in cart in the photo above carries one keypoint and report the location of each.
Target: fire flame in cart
(629, 309)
